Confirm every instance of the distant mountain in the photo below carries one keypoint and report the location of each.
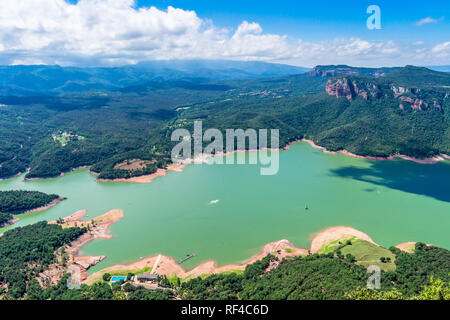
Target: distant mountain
(419, 77)
(223, 69)
(41, 79)
(440, 68)
(344, 70)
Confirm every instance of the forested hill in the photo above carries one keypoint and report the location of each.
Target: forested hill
(52, 80)
(25, 252)
(126, 131)
(327, 277)
(369, 116)
(14, 202)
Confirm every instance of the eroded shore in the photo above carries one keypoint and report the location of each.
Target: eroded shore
(149, 178)
(35, 210)
(97, 228)
(144, 179)
(204, 158)
(165, 265)
(46, 207)
(433, 160)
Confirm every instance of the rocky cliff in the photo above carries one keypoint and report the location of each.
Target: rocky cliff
(346, 87)
(415, 98)
(343, 70)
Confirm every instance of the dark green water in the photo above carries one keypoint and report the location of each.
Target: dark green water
(392, 201)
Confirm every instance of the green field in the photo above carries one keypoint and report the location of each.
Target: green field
(367, 254)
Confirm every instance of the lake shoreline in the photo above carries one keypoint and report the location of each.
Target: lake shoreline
(35, 210)
(433, 160)
(147, 178)
(97, 228)
(62, 174)
(204, 158)
(161, 172)
(43, 208)
(166, 265)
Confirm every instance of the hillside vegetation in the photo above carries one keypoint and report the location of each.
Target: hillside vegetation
(25, 252)
(14, 202)
(370, 112)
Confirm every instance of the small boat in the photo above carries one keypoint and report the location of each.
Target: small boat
(306, 207)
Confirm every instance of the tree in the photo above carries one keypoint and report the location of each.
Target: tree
(369, 294)
(436, 290)
(106, 277)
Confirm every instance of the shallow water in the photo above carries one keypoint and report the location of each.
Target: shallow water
(392, 201)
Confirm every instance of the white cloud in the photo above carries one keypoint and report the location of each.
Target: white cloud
(426, 20)
(115, 32)
(442, 50)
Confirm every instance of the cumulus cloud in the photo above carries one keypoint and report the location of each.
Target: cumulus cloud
(442, 50)
(115, 32)
(426, 20)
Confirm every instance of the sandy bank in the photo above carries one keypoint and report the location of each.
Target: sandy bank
(169, 267)
(149, 178)
(433, 160)
(281, 249)
(98, 228)
(409, 246)
(165, 265)
(46, 207)
(40, 209)
(62, 174)
(406, 246)
(334, 233)
(9, 223)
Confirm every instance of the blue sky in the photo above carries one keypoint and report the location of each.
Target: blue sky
(305, 33)
(322, 19)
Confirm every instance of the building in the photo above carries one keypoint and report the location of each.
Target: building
(147, 277)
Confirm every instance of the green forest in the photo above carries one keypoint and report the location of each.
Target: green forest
(19, 201)
(137, 121)
(325, 277)
(27, 251)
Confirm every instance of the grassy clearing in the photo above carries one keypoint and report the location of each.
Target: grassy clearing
(206, 275)
(410, 248)
(65, 137)
(334, 245)
(367, 254)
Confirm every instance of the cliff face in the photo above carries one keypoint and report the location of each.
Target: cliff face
(345, 87)
(343, 70)
(331, 72)
(406, 97)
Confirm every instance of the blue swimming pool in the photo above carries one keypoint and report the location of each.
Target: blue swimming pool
(117, 279)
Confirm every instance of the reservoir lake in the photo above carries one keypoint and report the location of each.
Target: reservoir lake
(228, 212)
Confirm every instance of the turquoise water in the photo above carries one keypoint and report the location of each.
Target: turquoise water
(392, 201)
(117, 279)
